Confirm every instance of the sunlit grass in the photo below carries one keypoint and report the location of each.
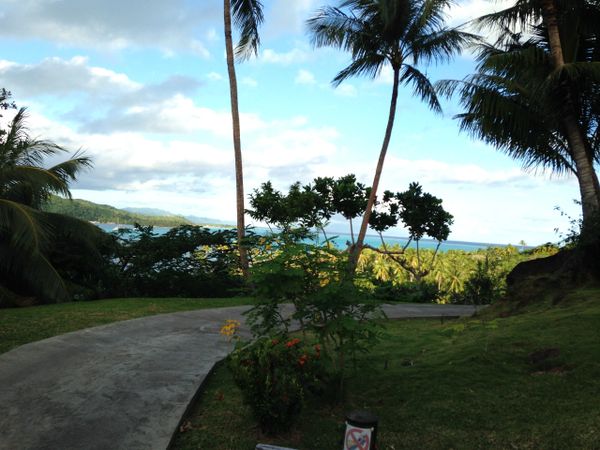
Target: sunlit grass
(468, 384)
(22, 325)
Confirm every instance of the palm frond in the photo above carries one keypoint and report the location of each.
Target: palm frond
(521, 15)
(68, 170)
(332, 27)
(33, 270)
(247, 17)
(422, 87)
(22, 227)
(440, 46)
(369, 65)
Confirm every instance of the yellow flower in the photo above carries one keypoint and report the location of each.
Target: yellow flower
(230, 328)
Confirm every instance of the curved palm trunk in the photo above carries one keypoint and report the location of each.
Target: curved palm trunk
(237, 145)
(589, 187)
(357, 248)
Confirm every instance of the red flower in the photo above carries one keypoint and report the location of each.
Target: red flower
(275, 341)
(292, 342)
(302, 360)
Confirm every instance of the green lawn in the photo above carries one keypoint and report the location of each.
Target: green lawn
(22, 325)
(469, 384)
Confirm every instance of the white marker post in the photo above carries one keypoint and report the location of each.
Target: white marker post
(361, 431)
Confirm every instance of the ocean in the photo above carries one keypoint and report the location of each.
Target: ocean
(340, 239)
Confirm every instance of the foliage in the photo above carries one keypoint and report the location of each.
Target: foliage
(275, 373)
(422, 214)
(426, 372)
(186, 261)
(326, 303)
(401, 34)
(26, 233)
(483, 286)
(312, 205)
(450, 274)
(528, 104)
(93, 212)
(20, 326)
(409, 292)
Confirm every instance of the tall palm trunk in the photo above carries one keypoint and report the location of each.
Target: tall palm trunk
(357, 248)
(237, 145)
(588, 180)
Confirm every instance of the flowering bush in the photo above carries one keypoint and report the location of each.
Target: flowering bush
(230, 329)
(274, 374)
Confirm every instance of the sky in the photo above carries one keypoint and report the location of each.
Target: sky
(141, 87)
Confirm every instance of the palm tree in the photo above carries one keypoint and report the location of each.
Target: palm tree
(26, 231)
(247, 15)
(514, 103)
(399, 33)
(569, 27)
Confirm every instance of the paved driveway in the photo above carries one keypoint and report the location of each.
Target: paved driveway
(125, 385)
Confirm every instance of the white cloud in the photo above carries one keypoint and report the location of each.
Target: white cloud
(346, 90)
(459, 174)
(214, 76)
(288, 16)
(174, 115)
(111, 24)
(56, 76)
(468, 10)
(386, 76)
(294, 56)
(250, 82)
(136, 164)
(305, 77)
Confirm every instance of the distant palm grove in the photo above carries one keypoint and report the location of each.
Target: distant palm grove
(535, 96)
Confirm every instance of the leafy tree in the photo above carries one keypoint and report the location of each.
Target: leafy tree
(349, 199)
(422, 214)
(26, 233)
(186, 261)
(247, 16)
(400, 33)
(559, 72)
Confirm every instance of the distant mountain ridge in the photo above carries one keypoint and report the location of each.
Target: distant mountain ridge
(94, 212)
(198, 220)
(149, 211)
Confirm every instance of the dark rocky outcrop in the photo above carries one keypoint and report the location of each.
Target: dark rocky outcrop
(554, 275)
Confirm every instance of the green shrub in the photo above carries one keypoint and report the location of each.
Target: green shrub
(409, 292)
(482, 287)
(274, 375)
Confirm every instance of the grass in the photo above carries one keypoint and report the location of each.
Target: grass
(22, 325)
(527, 381)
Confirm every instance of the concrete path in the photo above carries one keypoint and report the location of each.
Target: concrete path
(125, 385)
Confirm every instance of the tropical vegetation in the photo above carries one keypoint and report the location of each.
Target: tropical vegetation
(247, 16)
(28, 235)
(535, 93)
(507, 378)
(402, 34)
(106, 214)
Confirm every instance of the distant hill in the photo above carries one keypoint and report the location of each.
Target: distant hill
(149, 211)
(93, 212)
(198, 220)
(210, 221)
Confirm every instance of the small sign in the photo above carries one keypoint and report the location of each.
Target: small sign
(357, 438)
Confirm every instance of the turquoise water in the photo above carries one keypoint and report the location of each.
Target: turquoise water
(340, 239)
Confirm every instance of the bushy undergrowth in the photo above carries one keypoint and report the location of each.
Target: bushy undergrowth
(275, 375)
(456, 276)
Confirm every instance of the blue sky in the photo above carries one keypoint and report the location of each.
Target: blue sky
(141, 86)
